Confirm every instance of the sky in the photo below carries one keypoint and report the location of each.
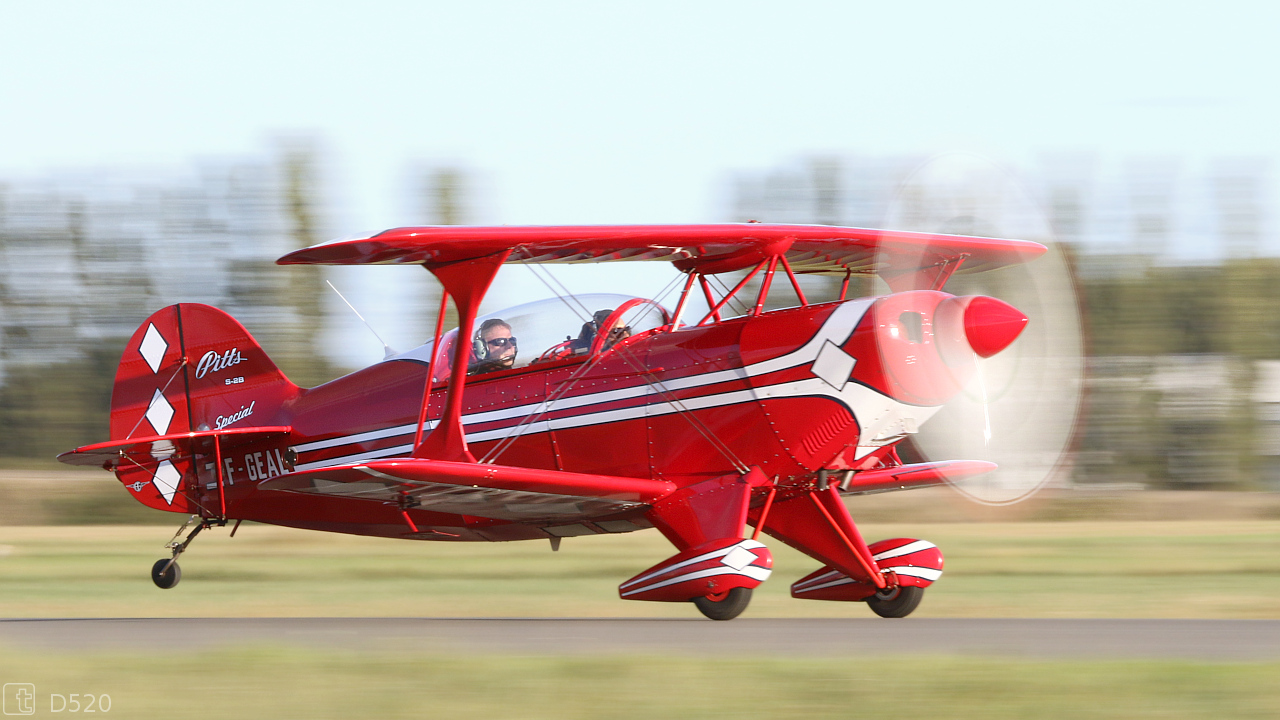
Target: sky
(622, 112)
(613, 112)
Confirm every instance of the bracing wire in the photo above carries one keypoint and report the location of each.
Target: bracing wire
(733, 300)
(683, 410)
(386, 349)
(644, 373)
(163, 390)
(581, 310)
(667, 290)
(541, 409)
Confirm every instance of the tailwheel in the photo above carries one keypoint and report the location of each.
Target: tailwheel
(896, 602)
(166, 573)
(724, 606)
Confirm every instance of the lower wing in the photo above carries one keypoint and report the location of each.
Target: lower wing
(499, 492)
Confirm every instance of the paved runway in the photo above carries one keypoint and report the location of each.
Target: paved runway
(1156, 639)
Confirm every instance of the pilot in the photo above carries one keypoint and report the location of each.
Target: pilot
(494, 347)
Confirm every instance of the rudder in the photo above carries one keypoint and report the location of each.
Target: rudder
(190, 367)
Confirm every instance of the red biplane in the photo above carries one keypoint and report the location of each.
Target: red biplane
(590, 414)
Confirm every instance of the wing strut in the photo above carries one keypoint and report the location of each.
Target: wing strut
(431, 368)
(467, 281)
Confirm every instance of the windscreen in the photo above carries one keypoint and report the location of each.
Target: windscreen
(544, 331)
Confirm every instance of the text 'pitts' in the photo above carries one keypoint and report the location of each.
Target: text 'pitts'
(213, 362)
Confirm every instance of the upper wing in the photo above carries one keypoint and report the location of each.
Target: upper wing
(500, 492)
(817, 249)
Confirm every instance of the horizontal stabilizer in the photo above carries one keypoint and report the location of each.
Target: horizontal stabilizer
(499, 492)
(157, 447)
(915, 475)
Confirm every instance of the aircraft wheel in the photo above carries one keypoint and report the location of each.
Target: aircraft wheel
(896, 602)
(728, 608)
(165, 579)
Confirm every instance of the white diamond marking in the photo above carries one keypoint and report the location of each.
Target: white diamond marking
(159, 413)
(738, 558)
(833, 365)
(152, 348)
(166, 479)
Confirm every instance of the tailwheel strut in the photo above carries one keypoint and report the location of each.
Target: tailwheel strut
(166, 573)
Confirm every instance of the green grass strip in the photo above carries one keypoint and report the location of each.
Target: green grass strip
(277, 682)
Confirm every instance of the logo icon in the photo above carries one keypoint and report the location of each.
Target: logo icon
(19, 699)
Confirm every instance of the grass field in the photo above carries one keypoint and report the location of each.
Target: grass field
(1200, 569)
(292, 683)
(73, 543)
(1126, 567)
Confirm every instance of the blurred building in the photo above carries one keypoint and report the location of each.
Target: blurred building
(853, 191)
(1167, 420)
(1266, 398)
(84, 259)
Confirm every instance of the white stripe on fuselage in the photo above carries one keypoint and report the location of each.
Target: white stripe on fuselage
(876, 413)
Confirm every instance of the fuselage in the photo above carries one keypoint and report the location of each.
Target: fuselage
(790, 392)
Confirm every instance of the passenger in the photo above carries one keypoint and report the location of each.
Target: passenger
(494, 348)
(617, 334)
(591, 329)
(587, 335)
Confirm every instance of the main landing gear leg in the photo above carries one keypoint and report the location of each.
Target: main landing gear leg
(716, 568)
(166, 573)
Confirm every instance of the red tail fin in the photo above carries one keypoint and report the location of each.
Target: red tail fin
(191, 367)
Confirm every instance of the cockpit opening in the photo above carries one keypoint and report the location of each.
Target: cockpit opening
(546, 331)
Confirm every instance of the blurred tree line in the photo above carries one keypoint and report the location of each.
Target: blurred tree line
(1183, 384)
(84, 261)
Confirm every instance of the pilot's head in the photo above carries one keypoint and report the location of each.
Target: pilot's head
(495, 343)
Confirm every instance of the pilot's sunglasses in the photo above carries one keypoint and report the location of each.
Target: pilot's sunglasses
(502, 342)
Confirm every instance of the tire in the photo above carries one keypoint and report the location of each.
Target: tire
(727, 609)
(165, 580)
(896, 602)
